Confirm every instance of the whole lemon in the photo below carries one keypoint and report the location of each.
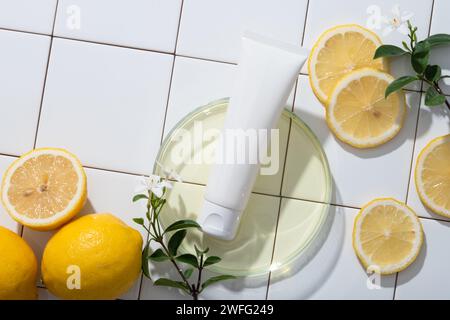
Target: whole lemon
(95, 257)
(18, 268)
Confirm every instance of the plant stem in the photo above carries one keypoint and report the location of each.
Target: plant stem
(199, 279)
(438, 89)
(192, 290)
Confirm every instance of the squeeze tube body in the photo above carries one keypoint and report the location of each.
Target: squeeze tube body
(266, 74)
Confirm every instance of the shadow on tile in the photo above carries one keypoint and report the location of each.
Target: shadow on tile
(412, 271)
(427, 114)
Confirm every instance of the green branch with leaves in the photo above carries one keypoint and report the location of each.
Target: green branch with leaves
(169, 241)
(419, 54)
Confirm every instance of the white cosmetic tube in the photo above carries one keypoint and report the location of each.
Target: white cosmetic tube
(266, 75)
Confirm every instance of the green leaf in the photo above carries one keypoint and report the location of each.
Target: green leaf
(188, 273)
(399, 84)
(139, 221)
(188, 259)
(216, 279)
(433, 73)
(159, 256)
(145, 268)
(183, 224)
(389, 51)
(139, 197)
(170, 283)
(434, 98)
(439, 40)
(200, 252)
(421, 56)
(211, 260)
(175, 241)
(405, 45)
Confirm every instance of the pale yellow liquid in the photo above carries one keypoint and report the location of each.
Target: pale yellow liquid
(252, 252)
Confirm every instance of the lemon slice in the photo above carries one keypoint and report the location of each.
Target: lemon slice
(339, 51)
(359, 114)
(387, 236)
(44, 188)
(433, 176)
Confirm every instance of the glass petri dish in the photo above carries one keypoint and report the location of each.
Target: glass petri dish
(287, 214)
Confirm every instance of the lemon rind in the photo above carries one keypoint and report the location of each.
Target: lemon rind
(428, 202)
(368, 143)
(414, 252)
(322, 39)
(74, 206)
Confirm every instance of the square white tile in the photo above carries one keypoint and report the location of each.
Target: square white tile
(106, 104)
(28, 15)
(361, 175)
(5, 220)
(440, 24)
(23, 63)
(433, 122)
(148, 24)
(334, 272)
(426, 278)
(196, 83)
(108, 192)
(212, 29)
(377, 15)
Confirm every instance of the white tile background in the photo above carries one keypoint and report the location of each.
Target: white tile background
(111, 87)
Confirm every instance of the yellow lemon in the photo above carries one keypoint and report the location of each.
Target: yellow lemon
(18, 268)
(433, 176)
(44, 188)
(360, 115)
(338, 51)
(387, 236)
(94, 257)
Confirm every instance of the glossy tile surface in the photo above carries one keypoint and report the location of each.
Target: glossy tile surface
(123, 73)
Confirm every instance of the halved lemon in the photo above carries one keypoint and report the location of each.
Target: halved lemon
(44, 188)
(338, 51)
(433, 176)
(387, 236)
(360, 115)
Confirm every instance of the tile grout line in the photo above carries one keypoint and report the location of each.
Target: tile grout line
(165, 113)
(285, 162)
(395, 286)
(147, 50)
(413, 148)
(279, 208)
(281, 197)
(418, 113)
(415, 141)
(22, 229)
(171, 75)
(133, 174)
(25, 31)
(435, 219)
(175, 55)
(306, 22)
(45, 76)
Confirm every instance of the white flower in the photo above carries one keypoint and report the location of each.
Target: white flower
(397, 22)
(155, 184)
(169, 173)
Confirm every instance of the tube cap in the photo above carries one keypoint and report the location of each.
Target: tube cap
(218, 221)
